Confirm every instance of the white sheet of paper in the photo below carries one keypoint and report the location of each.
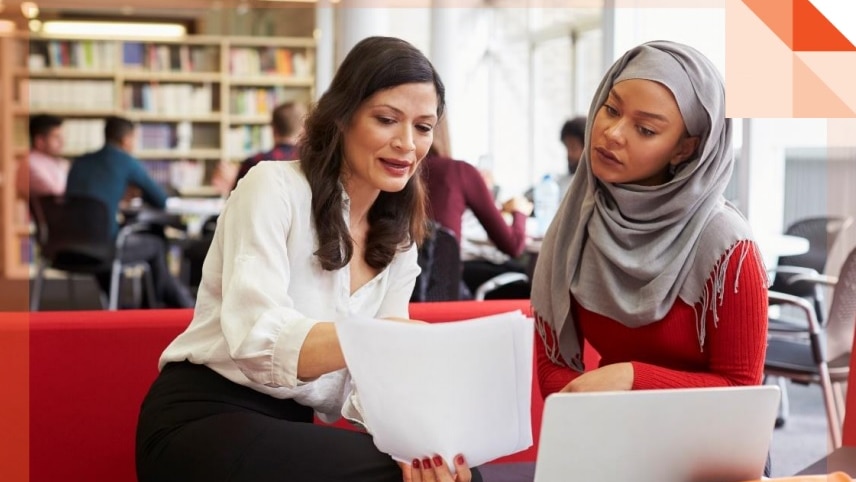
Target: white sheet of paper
(443, 388)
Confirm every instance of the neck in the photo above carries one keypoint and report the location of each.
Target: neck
(361, 202)
(284, 140)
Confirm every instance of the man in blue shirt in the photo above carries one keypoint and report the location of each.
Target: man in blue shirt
(105, 175)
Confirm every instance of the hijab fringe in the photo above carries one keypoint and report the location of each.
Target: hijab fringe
(714, 290)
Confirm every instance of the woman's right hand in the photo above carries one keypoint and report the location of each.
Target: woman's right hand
(435, 470)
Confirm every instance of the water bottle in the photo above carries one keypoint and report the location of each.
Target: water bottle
(546, 202)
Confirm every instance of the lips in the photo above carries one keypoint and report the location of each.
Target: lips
(607, 155)
(396, 163)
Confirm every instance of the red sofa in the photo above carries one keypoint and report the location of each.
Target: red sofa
(89, 371)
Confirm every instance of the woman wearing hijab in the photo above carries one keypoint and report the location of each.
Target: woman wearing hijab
(646, 260)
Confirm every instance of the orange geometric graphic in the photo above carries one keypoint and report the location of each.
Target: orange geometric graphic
(800, 25)
(778, 15)
(815, 33)
(812, 97)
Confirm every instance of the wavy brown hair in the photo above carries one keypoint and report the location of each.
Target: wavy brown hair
(396, 219)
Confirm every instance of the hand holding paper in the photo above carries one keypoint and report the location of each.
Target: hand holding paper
(447, 388)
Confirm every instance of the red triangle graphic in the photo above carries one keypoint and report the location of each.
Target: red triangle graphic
(815, 33)
(778, 16)
(812, 97)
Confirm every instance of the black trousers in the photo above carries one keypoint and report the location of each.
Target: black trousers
(151, 248)
(196, 426)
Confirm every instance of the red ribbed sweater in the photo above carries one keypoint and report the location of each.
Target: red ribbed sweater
(666, 354)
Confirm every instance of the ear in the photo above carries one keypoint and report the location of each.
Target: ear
(686, 148)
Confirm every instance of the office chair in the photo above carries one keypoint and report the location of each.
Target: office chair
(73, 235)
(822, 356)
(822, 234)
(440, 260)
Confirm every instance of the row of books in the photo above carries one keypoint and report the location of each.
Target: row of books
(257, 100)
(170, 58)
(78, 95)
(169, 99)
(180, 175)
(269, 60)
(78, 54)
(244, 141)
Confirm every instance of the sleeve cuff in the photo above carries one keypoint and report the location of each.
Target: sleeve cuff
(286, 352)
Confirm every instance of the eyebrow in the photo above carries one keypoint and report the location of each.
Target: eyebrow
(642, 113)
(396, 109)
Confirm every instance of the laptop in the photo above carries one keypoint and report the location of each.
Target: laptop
(686, 435)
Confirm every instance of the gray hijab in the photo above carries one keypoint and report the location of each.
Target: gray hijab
(628, 251)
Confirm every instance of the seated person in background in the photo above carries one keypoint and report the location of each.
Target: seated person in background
(287, 125)
(106, 174)
(572, 136)
(645, 259)
(299, 246)
(46, 170)
(455, 186)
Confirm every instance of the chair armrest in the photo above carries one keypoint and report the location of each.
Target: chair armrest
(801, 304)
(795, 270)
(126, 231)
(497, 281)
(820, 279)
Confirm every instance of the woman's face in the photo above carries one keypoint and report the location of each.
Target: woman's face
(387, 138)
(637, 134)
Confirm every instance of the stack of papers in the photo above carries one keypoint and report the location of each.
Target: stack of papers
(445, 388)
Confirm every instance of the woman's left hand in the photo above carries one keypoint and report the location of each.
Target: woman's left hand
(615, 377)
(435, 470)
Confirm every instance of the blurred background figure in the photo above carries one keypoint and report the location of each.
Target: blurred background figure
(46, 170)
(456, 187)
(287, 123)
(106, 174)
(573, 136)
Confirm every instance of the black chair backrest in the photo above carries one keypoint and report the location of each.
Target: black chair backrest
(842, 311)
(440, 260)
(73, 232)
(822, 233)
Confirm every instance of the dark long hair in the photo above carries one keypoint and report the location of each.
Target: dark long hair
(396, 219)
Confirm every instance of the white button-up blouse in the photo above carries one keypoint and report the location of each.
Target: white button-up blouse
(263, 289)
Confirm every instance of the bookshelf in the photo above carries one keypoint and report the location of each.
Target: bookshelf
(197, 101)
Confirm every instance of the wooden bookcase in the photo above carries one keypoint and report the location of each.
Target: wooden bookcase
(198, 101)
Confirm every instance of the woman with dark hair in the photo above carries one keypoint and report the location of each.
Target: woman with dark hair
(298, 246)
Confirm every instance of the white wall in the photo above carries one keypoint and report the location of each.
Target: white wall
(702, 28)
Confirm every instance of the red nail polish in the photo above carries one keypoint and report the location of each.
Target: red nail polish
(426, 463)
(459, 460)
(438, 461)
(415, 463)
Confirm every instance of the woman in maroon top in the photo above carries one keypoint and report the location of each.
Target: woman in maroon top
(454, 186)
(646, 260)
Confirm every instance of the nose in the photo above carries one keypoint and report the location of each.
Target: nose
(614, 131)
(404, 140)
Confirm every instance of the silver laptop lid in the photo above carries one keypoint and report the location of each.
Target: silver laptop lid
(686, 435)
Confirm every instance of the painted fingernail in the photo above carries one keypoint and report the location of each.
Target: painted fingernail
(438, 461)
(415, 463)
(426, 463)
(459, 460)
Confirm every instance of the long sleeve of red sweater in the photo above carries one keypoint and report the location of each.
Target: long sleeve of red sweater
(667, 354)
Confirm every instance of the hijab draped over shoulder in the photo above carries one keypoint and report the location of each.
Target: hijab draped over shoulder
(628, 251)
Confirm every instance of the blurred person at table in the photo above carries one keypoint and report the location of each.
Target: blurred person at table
(106, 175)
(287, 124)
(299, 246)
(454, 187)
(46, 171)
(572, 135)
(645, 259)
